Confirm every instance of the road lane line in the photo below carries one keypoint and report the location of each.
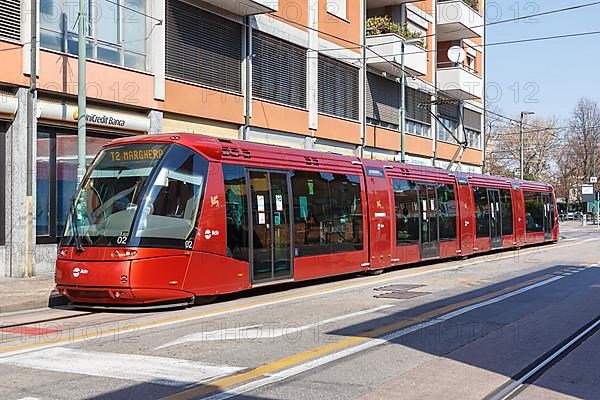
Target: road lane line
(264, 331)
(137, 327)
(140, 368)
(313, 358)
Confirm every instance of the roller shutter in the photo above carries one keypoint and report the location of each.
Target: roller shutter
(278, 70)
(413, 111)
(472, 120)
(449, 111)
(203, 48)
(10, 19)
(338, 88)
(383, 99)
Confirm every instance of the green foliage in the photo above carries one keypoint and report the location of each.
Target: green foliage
(383, 24)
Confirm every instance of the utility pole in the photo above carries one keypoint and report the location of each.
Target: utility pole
(81, 92)
(522, 142)
(31, 116)
(402, 105)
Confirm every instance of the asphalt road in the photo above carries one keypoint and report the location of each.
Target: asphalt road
(503, 325)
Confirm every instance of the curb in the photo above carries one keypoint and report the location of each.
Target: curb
(46, 301)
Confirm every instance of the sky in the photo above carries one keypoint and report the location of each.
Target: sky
(546, 77)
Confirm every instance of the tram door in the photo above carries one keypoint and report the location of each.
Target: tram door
(495, 218)
(271, 230)
(548, 215)
(430, 239)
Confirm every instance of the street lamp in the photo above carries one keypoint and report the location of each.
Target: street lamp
(523, 114)
(403, 97)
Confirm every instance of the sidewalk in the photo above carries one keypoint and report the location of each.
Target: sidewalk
(18, 294)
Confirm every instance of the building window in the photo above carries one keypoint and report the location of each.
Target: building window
(473, 138)
(338, 88)
(10, 19)
(56, 173)
(116, 30)
(203, 48)
(383, 101)
(417, 128)
(278, 70)
(3, 128)
(337, 8)
(442, 132)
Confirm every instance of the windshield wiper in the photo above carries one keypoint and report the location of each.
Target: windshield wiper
(76, 237)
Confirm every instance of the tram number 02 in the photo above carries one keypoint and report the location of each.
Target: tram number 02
(122, 240)
(189, 244)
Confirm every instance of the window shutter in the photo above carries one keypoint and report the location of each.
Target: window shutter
(338, 88)
(10, 19)
(383, 99)
(448, 111)
(472, 120)
(203, 48)
(413, 111)
(278, 70)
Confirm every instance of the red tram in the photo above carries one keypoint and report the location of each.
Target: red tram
(174, 218)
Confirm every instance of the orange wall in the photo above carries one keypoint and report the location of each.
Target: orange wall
(332, 27)
(338, 129)
(11, 66)
(471, 156)
(202, 102)
(294, 13)
(274, 116)
(58, 73)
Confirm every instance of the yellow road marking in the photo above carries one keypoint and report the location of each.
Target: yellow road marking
(223, 384)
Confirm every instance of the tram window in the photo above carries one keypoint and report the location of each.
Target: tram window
(236, 206)
(327, 213)
(447, 207)
(534, 212)
(173, 202)
(345, 232)
(506, 208)
(482, 211)
(407, 212)
(312, 212)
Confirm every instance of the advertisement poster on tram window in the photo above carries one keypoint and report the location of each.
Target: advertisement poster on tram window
(262, 218)
(260, 202)
(278, 202)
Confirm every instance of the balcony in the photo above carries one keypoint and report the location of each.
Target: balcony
(387, 48)
(388, 3)
(458, 20)
(459, 82)
(246, 7)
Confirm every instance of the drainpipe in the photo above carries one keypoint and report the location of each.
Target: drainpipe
(248, 87)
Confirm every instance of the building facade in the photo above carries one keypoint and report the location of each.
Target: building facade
(314, 74)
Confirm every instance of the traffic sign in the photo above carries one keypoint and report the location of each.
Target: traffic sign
(594, 179)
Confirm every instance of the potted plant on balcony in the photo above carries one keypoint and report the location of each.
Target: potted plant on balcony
(381, 25)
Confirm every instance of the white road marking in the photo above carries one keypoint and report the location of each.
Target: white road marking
(140, 368)
(482, 260)
(257, 332)
(293, 371)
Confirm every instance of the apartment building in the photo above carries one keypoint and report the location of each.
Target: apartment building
(314, 74)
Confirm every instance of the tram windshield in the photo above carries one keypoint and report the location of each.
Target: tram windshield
(146, 195)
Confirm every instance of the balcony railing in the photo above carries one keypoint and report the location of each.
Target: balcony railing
(383, 25)
(457, 20)
(474, 4)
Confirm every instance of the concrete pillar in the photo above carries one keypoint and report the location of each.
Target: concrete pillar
(16, 179)
(156, 122)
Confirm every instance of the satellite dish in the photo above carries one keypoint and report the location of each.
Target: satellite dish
(456, 54)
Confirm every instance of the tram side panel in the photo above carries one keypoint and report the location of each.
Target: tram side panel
(211, 270)
(466, 226)
(519, 217)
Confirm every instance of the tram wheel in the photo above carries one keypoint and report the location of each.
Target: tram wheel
(202, 300)
(372, 272)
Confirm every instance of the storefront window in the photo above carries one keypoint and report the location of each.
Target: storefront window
(3, 128)
(116, 30)
(57, 178)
